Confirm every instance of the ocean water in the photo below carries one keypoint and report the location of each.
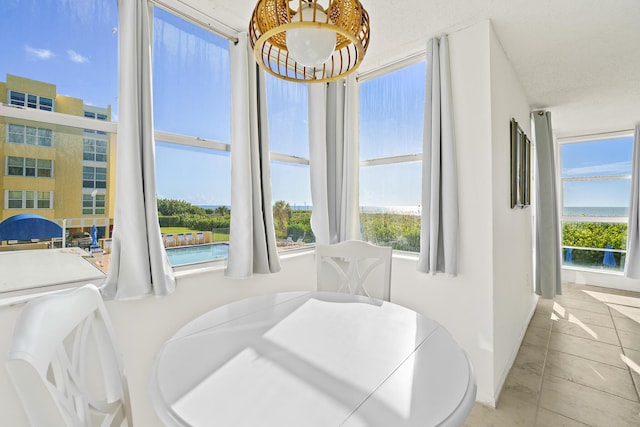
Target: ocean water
(404, 210)
(596, 211)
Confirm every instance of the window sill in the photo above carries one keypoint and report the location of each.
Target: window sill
(38, 270)
(594, 270)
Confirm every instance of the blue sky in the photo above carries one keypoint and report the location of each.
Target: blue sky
(607, 158)
(73, 44)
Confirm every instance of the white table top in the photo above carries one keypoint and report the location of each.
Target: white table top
(312, 359)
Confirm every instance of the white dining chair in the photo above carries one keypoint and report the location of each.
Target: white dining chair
(65, 365)
(354, 267)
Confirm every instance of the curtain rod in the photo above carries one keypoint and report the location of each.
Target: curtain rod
(188, 12)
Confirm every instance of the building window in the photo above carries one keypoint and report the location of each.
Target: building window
(391, 134)
(44, 200)
(93, 177)
(30, 101)
(94, 150)
(20, 166)
(19, 134)
(596, 183)
(18, 199)
(93, 205)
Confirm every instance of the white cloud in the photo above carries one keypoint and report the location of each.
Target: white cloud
(617, 168)
(76, 57)
(39, 53)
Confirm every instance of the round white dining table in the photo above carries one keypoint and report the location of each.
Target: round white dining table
(312, 359)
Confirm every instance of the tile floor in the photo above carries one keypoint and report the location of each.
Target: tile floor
(579, 364)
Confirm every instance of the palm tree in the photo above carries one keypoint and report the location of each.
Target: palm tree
(281, 216)
(222, 210)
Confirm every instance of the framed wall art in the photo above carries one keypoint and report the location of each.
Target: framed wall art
(520, 167)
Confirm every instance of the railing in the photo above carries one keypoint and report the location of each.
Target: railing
(606, 259)
(220, 234)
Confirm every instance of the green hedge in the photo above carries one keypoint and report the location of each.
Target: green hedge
(595, 235)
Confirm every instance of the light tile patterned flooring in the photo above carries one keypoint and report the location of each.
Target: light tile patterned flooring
(578, 365)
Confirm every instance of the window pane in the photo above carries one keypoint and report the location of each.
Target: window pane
(390, 208)
(392, 113)
(207, 182)
(609, 157)
(287, 106)
(594, 245)
(291, 185)
(190, 79)
(597, 197)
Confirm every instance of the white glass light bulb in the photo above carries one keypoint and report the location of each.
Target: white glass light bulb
(310, 47)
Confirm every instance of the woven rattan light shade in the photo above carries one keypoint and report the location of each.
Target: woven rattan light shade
(272, 18)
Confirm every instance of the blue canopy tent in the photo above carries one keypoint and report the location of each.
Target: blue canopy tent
(27, 227)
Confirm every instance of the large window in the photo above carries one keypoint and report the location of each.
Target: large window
(391, 126)
(287, 107)
(192, 118)
(596, 182)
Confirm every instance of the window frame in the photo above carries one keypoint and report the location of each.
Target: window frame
(562, 218)
(30, 100)
(38, 166)
(29, 199)
(40, 135)
(395, 159)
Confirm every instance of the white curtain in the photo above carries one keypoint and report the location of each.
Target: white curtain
(252, 238)
(548, 244)
(139, 264)
(632, 262)
(334, 162)
(439, 221)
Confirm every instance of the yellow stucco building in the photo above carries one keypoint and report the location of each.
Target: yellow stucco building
(58, 172)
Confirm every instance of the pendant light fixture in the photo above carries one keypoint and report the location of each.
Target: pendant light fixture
(309, 40)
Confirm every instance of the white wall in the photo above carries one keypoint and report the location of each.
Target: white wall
(488, 305)
(513, 297)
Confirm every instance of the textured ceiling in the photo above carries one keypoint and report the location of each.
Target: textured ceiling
(580, 59)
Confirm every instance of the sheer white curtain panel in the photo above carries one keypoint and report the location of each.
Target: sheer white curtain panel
(334, 162)
(439, 220)
(139, 265)
(252, 247)
(632, 261)
(548, 244)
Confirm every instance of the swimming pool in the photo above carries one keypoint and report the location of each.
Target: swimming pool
(199, 253)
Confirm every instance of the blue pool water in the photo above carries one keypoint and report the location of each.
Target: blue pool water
(199, 253)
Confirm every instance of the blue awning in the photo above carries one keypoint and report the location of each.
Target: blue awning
(27, 227)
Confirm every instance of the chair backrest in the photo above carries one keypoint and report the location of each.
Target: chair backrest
(354, 267)
(64, 363)
(200, 236)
